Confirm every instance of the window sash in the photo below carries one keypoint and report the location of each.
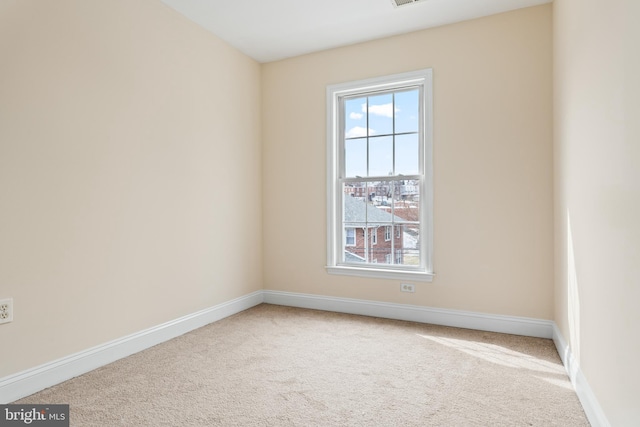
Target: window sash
(342, 138)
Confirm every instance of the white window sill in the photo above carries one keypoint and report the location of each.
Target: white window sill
(380, 273)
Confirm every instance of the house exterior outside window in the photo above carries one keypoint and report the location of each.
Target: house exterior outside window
(379, 171)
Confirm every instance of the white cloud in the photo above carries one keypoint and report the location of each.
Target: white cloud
(358, 131)
(355, 116)
(385, 110)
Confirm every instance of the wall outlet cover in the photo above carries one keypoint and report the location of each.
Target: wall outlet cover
(6, 310)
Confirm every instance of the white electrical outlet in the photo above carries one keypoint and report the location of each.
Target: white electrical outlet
(406, 287)
(6, 310)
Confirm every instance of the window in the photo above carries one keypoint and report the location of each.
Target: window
(350, 237)
(379, 175)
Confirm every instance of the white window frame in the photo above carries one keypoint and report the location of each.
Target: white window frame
(335, 94)
(387, 233)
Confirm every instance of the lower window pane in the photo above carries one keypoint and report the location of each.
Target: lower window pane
(354, 243)
(408, 248)
(381, 252)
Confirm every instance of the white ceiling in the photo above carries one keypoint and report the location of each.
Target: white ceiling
(268, 30)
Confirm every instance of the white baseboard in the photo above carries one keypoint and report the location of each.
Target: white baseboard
(33, 380)
(36, 379)
(590, 404)
(437, 316)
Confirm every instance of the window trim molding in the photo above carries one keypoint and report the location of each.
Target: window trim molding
(334, 92)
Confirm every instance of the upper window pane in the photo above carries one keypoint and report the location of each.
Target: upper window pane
(407, 111)
(355, 157)
(407, 150)
(381, 156)
(355, 118)
(380, 110)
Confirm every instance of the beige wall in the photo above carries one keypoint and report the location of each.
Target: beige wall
(492, 164)
(130, 166)
(597, 203)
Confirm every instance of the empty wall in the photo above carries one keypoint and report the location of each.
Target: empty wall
(493, 218)
(130, 167)
(597, 196)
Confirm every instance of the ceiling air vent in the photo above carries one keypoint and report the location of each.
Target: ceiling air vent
(398, 3)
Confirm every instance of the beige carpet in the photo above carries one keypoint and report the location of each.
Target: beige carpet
(280, 366)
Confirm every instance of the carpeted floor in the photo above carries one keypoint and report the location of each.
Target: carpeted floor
(282, 366)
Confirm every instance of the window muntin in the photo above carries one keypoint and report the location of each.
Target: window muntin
(379, 169)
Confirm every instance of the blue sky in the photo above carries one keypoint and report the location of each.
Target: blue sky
(370, 121)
